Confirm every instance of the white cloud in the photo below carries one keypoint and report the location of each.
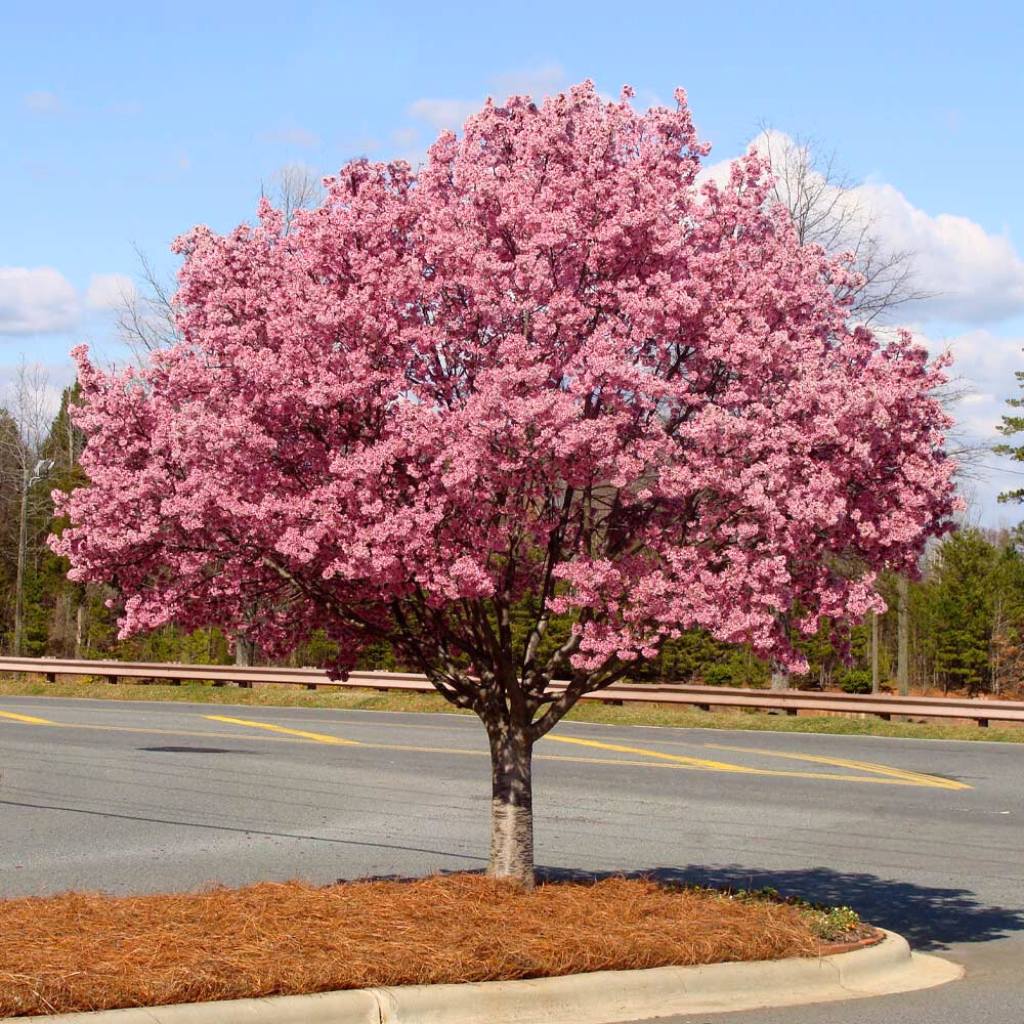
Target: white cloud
(981, 380)
(537, 82)
(43, 102)
(979, 413)
(645, 99)
(972, 276)
(717, 172)
(36, 301)
(969, 275)
(441, 114)
(109, 291)
(987, 358)
(50, 376)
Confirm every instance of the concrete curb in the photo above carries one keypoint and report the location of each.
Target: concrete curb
(605, 997)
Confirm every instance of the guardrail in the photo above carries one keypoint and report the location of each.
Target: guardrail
(791, 702)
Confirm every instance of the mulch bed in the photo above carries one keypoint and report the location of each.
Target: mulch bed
(88, 951)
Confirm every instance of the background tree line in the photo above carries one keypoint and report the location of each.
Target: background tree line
(964, 617)
(962, 623)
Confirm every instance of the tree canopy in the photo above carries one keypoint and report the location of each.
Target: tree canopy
(548, 370)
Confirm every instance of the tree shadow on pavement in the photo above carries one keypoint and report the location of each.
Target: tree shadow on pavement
(930, 918)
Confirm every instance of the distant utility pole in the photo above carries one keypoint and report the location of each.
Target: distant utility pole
(27, 481)
(875, 681)
(903, 635)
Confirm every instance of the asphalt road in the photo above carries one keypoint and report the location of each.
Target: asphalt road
(924, 837)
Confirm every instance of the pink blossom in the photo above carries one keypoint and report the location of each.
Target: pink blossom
(548, 364)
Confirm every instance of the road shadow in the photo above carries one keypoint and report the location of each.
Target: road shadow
(196, 750)
(929, 917)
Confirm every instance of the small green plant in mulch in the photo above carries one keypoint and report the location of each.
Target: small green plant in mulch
(830, 924)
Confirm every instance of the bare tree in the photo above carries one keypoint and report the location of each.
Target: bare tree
(294, 187)
(826, 210)
(147, 317)
(29, 407)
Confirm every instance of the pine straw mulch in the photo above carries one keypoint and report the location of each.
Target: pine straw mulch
(88, 951)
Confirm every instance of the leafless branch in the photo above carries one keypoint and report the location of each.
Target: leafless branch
(147, 317)
(826, 210)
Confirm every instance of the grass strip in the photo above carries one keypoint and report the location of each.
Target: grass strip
(86, 951)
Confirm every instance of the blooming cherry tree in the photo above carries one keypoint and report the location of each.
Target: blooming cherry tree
(546, 371)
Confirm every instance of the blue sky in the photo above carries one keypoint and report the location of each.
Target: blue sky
(124, 124)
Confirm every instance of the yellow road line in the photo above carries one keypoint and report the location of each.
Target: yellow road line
(910, 777)
(891, 776)
(677, 763)
(206, 734)
(27, 719)
(827, 776)
(875, 773)
(682, 759)
(675, 760)
(316, 737)
(423, 750)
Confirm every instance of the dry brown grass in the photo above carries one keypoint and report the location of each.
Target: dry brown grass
(86, 951)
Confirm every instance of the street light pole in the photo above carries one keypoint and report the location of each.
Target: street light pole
(27, 480)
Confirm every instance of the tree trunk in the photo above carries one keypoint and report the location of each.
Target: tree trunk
(245, 655)
(780, 678)
(80, 628)
(244, 652)
(511, 805)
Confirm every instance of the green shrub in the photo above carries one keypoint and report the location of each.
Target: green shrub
(855, 680)
(718, 673)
